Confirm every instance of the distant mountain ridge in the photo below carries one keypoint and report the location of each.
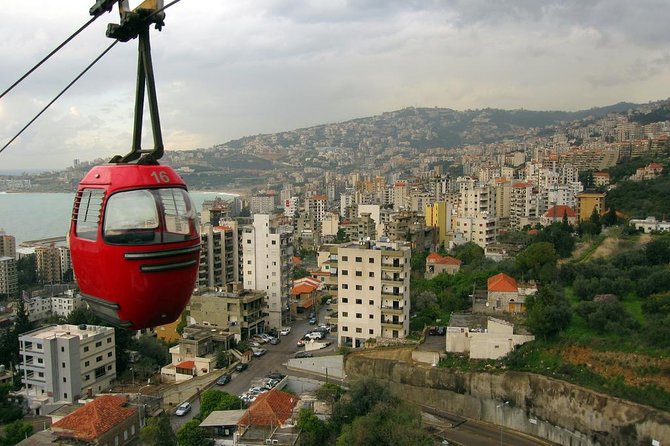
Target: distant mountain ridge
(425, 127)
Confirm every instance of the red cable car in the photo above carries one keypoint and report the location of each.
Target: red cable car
(133, 236)
(134, 243)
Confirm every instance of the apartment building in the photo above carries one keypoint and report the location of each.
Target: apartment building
(316, 206)
(267, 255)
(66, 362)
(9, 279)
(480, 230)
(7, 245)
(219, 255)
(52, 261)
(438, 216)
(587, 202)
(263, 203)
(373, 295)
(240, 311)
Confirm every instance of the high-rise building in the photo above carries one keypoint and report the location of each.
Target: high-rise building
(316, 206)
(373, 295)
(48, 260)
(9, 279)
(66, 362)
(267, 253)
(7, 245)
(219, 255)
(438, 217)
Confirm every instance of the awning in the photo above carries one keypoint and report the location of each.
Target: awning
(307, 303)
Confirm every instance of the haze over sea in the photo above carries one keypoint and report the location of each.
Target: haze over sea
(30, 216)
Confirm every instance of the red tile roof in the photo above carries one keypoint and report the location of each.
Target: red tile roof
(270, 409)
(95, 418)
(559, 211)
(502, 283)
(186, 365)
(303, 288)
(434, 257)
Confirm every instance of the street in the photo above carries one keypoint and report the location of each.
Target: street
(272, 361)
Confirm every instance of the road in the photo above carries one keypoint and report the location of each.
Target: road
(272, 361)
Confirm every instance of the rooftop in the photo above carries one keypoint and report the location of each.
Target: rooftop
(67, 331)
(95, 418)
(502, 283)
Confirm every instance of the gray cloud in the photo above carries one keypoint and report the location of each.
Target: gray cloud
(229, 69)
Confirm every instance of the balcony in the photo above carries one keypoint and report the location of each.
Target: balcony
(393, 296)
(397, 325)
(392, 268)
(398, 311)
(392, 281)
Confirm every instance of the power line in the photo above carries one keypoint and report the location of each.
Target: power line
(65, 42)
(60, 94)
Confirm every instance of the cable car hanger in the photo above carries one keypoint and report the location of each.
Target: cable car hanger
(135, 23)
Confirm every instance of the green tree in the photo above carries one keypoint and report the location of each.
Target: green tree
(299, 272)
(10, 410)
(15, 432)
(191, 434)
(313, 431)
(391, 423)
(418, 260)
(657, 250)
(329, 392)
(158, 432)
(26, 269)
(538, 260)
(22, 323)
(547, 313)
(222, 358)
(469, 253)
(212, 400)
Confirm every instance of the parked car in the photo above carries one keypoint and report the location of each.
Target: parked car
(303, 355)
(183, 409)
(441, 331)
(259, 352)
(223, 380)
(266, 337)
(312, 321)
(275, 341)
(315, 335)
(329, 301)
(285, 331)
(276, 375)
(241, 367)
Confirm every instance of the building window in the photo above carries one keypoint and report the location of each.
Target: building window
(86, 364)
(98, 344)
(359, 259)
(359, 330)
(345, 272)
(109, 367)
(65, 396)
(371, 316)
(359, 287)
(359, 316)
(62, 349)
(345, 258)
(345, 286)
(371, 331)
(40, 374)
(345, 300)
(359, 273)
(109, 340)
(85, 348)
(109, 354)
(100, 371)
(63, 364)
(274, 242)
(98, 358)
(39, 346)
(371, 260)
(64, 379)
(345, 328)
(371, 288)
(40, 360)
(359, 301)
(371, 274)
(87, 377)
(371, 302)
(345, 314)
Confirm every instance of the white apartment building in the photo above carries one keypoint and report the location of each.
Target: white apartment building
(316, 206)
(9, 279)
(373, 291)
(64, 304)
(291, 206)
(63, 363)
(219, 255)
(480, 230)
(267, 254)
(262, 203)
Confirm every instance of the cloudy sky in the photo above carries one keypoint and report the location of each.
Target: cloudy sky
(227, 69)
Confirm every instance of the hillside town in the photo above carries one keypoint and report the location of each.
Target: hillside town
(362, 243)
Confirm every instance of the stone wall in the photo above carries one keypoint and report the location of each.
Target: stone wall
(538, 405)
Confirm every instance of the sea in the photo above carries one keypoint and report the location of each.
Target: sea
(32, 216)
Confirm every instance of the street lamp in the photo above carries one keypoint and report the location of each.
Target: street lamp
(499, 406)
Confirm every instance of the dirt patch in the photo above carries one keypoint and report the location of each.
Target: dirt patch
(636, 369)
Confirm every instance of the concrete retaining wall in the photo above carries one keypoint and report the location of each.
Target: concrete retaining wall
(548, 408)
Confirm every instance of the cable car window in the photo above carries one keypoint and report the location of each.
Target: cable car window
(179, 214)
(87, 208)
(131, 218)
